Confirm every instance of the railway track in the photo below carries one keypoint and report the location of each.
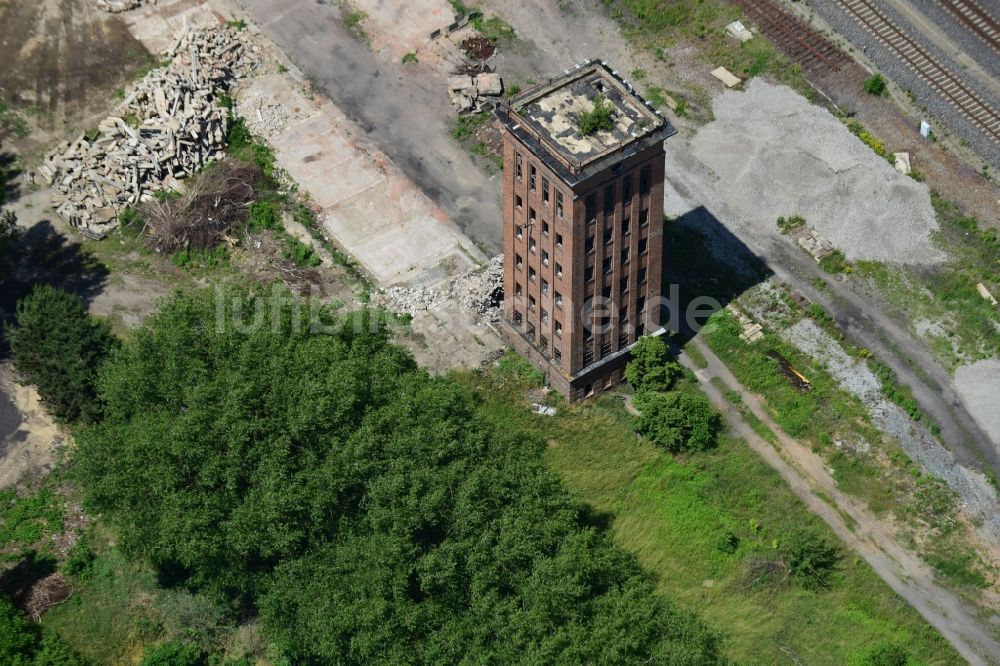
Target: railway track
(966, 101)
(808, 49)
(978, 20)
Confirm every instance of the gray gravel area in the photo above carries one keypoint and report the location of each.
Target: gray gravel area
(905, 77)
(978, 384)
(968, 41)
(973, 488)
(769, 152)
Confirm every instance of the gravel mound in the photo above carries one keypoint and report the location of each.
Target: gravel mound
(978, 384)
(773, 153)
(973, 489)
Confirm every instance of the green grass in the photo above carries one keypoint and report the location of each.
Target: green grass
(410, 58)
(819, 416)
(673, 513)
(494, 29)
(25, 519)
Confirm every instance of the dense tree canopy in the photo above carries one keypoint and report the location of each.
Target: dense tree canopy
(679, 420)
(58, 347)
(651, 367)
(23, 643)
(371, 512)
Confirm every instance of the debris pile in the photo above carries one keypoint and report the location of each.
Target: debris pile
(480, 291)
(115, 6)
(812, 242)
(468, 93)
(265, 119)
(478, 47)
(170, 126)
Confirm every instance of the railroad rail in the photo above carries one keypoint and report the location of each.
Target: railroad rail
(808, 49)
(978, 20)
(973, 107)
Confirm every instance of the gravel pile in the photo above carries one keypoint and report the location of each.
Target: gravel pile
(973, 489)
(886, 61)
(770, 153)
(476, 290)
(265, 119)
(978, 384)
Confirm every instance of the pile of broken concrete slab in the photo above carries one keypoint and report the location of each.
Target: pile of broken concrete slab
(479, 290)
(169, 127)
(471, 93)
(115, 6)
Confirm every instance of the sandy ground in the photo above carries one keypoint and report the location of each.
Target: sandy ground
(770, 153)
(979, 385)
(29, 439)
(870, 537)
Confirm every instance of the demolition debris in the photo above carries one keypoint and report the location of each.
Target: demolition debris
(478, 290)
(115, 6)
(468, 92)
(171, 126)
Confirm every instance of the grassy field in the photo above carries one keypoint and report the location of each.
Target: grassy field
(672, 511)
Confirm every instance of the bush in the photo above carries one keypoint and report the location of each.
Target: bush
(835, 262)
(678, 421)
(598, 118)
(58, 347)
(876, 85)
(786, 225)
(810, 559)
(264, 215)
(23, 643)
(880, 654)
(727, 542)
(172, 653)
(651, 367)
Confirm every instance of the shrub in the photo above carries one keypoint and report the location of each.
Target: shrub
(651, 367)
(727, 542)
(678, 421)
(172, 653)
(880, 654)
(875, 85)
(598, 118)
(410, 58)
(80, 561)
(810, 559)
(264, 215)
(787, 225)
(835, 262)
(23, 643)
(58, 347)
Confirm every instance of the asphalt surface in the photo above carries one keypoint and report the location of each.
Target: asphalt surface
(408, 114)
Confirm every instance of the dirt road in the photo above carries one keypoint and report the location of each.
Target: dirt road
(870, 537)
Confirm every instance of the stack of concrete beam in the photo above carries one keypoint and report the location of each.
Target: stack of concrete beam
(470, 93)
(115, 6)
(169, 127)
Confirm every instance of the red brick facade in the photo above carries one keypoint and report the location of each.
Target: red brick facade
(571, 248)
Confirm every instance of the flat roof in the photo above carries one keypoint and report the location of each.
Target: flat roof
(549, 114)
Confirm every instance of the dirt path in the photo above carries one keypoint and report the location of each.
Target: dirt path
(869, 537)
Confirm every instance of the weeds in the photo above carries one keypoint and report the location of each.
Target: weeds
(876, 85)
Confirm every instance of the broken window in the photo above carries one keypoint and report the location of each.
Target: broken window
(531, 273)
(642, 276)
(627, 188)
(545, 189)
(517, 261)
(624, 256)
(557, 355)
(625, 227)
(531, 177)
(545, 227)
(517, 200)
(558, 240)
(643, 218)
(609, 198)
(545, 286)
(558, 269)
(545, 314)
(557, 327)
(607, 265)
(557, 299)
(517, 165)
(608, 236)
(588, 245)
(531, 303)
(591, 207)
(645, 179)
(559, 203)
(545, 257)
(588, 275)
(517, 289)
(543, 341)
(623, 285)
(517, 318)
(643, 245)
(531, 215)
(531, 244)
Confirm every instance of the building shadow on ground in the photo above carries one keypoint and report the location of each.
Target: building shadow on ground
(705, 267)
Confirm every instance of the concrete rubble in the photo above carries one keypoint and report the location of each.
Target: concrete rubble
(115, 6)
(477, 290)
(468, 93)
(812, 242)
(170, 126)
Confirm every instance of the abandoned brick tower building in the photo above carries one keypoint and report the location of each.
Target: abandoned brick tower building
(582, 217)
